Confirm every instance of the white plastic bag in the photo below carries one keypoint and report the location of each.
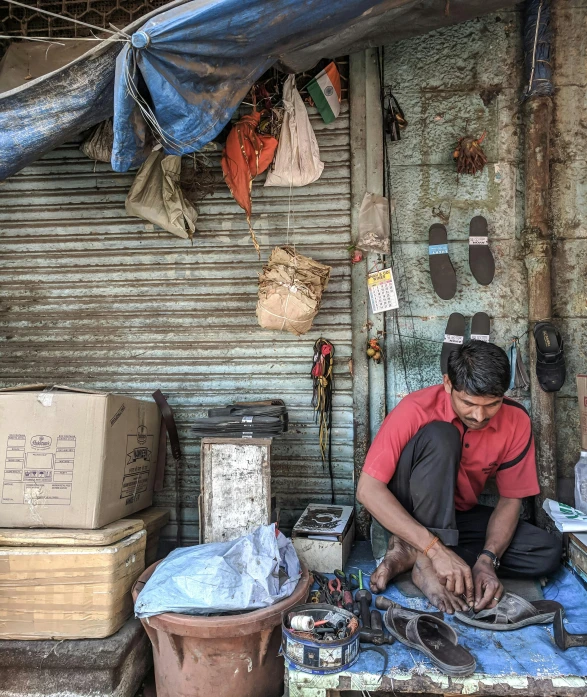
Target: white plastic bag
(374, 224)
(297, 161)
(566, 518)
(251, 572)
(156, 196)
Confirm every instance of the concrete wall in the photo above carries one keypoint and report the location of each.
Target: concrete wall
(439, 81)
(569, 216)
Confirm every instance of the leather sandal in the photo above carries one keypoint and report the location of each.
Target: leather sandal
(481, 260)
(433, 637)
(511, 612)
(550, 357)
(454, 336)
(442, 273)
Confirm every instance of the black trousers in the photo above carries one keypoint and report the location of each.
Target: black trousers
(424, 483)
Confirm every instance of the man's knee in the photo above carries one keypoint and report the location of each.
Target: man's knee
(550, 559)
(441, 434)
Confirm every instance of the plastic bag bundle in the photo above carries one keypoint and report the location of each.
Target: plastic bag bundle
(290, 291)
(249, 573)
(374, 224)
(98, 145)
(156, 195)
(297, 161)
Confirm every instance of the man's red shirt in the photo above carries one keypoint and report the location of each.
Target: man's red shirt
(504, 448)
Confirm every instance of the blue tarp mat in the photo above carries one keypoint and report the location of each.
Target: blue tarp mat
(193, 62)
(527, 652)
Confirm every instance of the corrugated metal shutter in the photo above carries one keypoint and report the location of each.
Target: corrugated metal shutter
(91, 298)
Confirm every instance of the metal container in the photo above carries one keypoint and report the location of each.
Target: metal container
(319, 658)
(223, 655)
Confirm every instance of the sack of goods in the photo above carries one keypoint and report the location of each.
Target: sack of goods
(290, 291)
(247, 420)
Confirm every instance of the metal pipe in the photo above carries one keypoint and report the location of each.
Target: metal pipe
(536, 235)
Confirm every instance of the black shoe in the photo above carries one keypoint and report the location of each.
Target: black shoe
(550, 357)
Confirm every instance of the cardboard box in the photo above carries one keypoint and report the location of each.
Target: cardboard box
(582, 392)
(153, 521)
(74, 458)
(68, 592)
(323, 536)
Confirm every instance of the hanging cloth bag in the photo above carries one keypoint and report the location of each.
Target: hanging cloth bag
(156, 196)
(297, 161)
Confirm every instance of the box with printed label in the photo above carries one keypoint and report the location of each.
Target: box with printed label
(74, 458)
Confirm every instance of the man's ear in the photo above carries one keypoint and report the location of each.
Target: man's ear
(447, 384)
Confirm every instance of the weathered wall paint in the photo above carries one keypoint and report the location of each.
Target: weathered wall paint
(569, 219)
(92, 297)
(441, 81)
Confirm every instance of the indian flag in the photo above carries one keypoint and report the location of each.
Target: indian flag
(325, 92)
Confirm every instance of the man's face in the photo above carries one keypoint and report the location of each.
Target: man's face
(474, 412)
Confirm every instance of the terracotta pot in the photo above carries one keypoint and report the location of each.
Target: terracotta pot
(227, 656)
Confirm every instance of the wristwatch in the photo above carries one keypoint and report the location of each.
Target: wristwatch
(491, 555)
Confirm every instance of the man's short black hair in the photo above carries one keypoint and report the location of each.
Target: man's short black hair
(480, 369)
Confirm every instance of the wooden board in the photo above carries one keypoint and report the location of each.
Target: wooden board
(236, 487)
(49, 537)
(153, 518)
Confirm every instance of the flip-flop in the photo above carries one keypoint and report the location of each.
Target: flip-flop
(454, 335)
(480, 327)
(512, 612)
(550, 357)
(481, 260)
(433, 637)
(442, 273)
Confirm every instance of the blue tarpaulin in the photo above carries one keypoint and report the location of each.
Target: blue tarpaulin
(190, 64)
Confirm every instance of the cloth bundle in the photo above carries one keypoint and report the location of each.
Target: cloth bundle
(244, 420)
(290, 291)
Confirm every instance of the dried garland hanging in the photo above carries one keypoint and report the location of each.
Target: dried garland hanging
(323, 384)
(469, 155)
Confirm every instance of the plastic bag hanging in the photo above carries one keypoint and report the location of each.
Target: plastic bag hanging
(156, 196)
(246, 154)
(297, 161)
(374, 224)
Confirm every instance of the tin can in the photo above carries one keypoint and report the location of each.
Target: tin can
(319, 657)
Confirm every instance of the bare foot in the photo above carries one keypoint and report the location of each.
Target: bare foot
(425, 578)
(400, 557)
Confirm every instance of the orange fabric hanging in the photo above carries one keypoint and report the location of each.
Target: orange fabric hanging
(246, 154)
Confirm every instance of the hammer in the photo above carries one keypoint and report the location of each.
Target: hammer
(364, 597)
(383, 603)
(563, 639)
(375, 634)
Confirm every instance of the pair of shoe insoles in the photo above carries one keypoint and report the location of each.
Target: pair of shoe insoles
(481, 262)
(454, 334)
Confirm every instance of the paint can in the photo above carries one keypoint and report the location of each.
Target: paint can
(319, 658)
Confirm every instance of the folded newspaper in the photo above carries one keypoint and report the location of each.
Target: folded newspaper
(566, 518)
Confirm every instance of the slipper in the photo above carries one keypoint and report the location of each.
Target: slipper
(396, 620)
(454, 336)
(512, 612)
(481, 260)
(442, 273)
(550, 357)
(480, 327)
(433, 637)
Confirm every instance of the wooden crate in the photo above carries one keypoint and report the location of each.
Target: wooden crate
(68, 592)
(235, 487)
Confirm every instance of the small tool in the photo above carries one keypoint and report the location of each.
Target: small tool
(364, 599)
(335, 590)
(347, 596)
(375, 634)
(315, 597)
(564, 640)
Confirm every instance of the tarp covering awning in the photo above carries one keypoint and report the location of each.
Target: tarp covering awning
(190, 65)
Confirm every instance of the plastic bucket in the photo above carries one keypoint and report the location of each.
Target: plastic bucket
(221, 656)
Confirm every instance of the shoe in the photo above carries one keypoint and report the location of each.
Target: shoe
(550, 357)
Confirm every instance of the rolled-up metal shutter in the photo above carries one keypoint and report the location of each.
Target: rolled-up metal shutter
(91, 297)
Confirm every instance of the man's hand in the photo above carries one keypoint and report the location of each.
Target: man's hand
(488, 588)
(452, 572)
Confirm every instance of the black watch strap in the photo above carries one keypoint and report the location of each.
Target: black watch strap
(492, 556)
